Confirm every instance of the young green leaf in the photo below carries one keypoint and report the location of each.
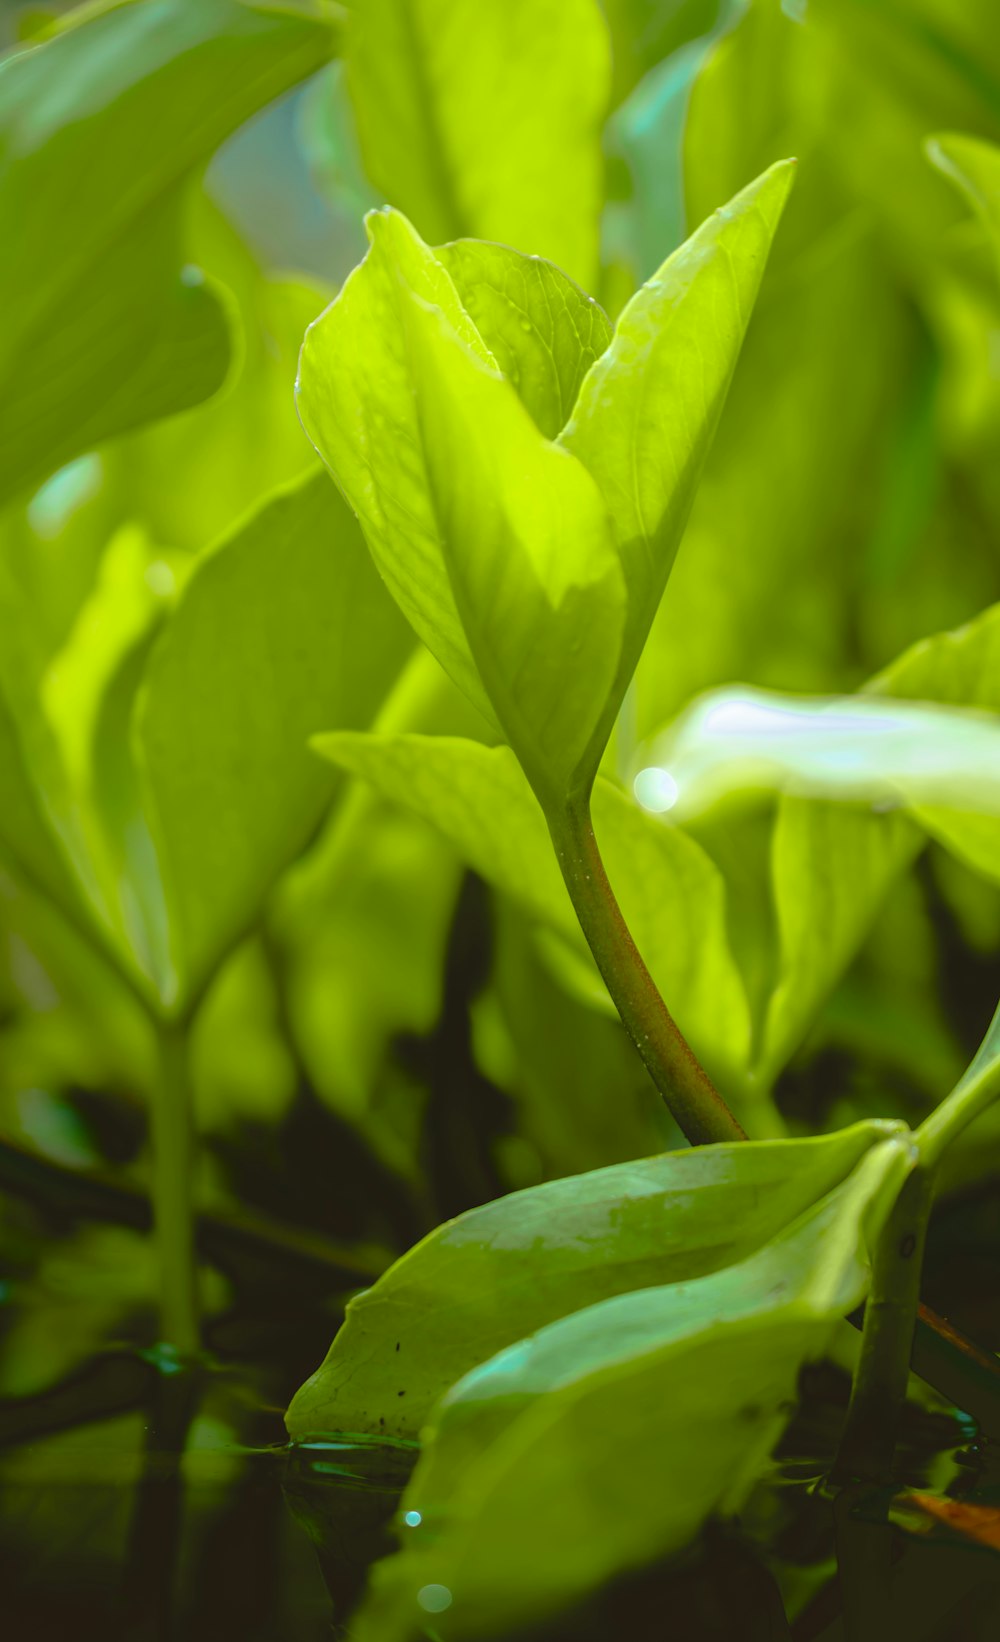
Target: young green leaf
(221, 727)
(671, 893)
(543, 331)
(102, 124)
(355, 397)
(495, 542)
(608, 1438)
(528, 551)
(498, 1273)
(648, 410)
(483, 117)
(435, 452)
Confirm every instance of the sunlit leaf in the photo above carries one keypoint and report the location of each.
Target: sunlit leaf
(436, 452)
(282, 629)
(498, 1273)
(237, 447)
(103, 122)
(496, 545)
(887, 753)
(648, 410)
(482, 117)
(356, 401)
(620, 1428)
(543, 331)
(961, 668)
(527, 546)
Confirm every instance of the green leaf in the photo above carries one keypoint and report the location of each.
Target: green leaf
(363, 922)
(961, 668)
(647, 33)
(671, 894)
(831, 865)
(648, 410)
(527, 546)
(48, 830)
(239, 446)
(974, 167)
(543, 331)
(888, 753)
(435, 453)
(645, 135)
(973, 1095)
(500, 1272)
(355, 398)
(102, 124)
(282, 629)
(26, 841)
(483, 117)
(608, 1438)
(497, 548)
(833, 862)
(905, 72)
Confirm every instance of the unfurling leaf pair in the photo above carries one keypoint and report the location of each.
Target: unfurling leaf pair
(523, 475)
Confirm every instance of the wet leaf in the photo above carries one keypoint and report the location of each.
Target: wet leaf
(498, 1273)
(608, 1437)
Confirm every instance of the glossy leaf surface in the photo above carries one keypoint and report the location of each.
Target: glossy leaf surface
(436, 452)
(648, 411)
(672, 1433)
(496, 544)
(498, 1273)
(543, 331)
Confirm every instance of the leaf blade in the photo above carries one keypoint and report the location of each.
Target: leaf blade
(498, 1273)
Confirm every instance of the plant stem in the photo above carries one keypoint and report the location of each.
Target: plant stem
(869, 1436)
(685, 1086)
(973, 1093)
(173, 1168)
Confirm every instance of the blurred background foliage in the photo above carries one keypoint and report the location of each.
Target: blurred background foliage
(383, 1038)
